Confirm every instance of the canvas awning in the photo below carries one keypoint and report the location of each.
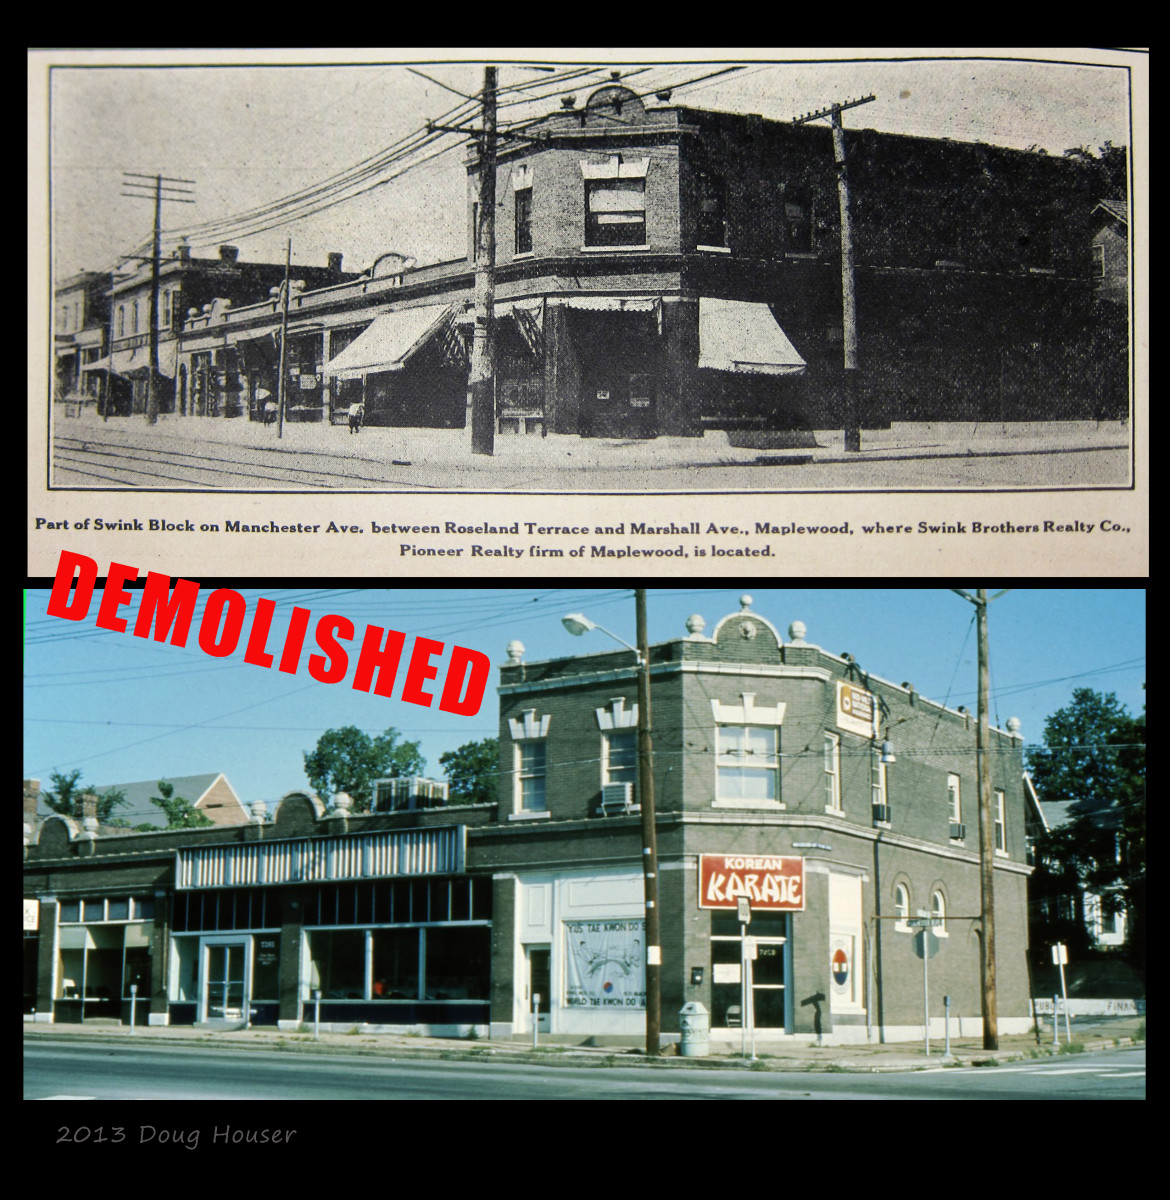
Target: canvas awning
(613, 303)
(388, 342)
(101, 364)
(736, 335)
(137, 361)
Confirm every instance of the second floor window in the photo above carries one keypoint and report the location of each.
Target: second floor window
(1000, 823)
(134, 317)
(953, 798)
(833, 772)
(615, 212)
(621, 757)
(524, 220)
(712, 225)
(533, 776)
(798, 231)
(121, 320)
(748, 762)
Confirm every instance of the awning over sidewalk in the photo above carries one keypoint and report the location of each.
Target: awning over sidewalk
(735, 335)
(613, 303)
(137, 361)
(389, 342)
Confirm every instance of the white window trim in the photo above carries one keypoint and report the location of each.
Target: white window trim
(901, 925)
(715, 249)
(1000, 814)
(835, 807)
(605, 739)
(939, 930)
(518, 808)
(766, 805)
(955, 798)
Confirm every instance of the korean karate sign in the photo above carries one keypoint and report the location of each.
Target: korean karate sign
(772, 884)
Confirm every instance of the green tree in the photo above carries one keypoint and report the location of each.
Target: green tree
(1093, 756)
(472, 771)
(65, 797)
(180, 813)
(349, 760)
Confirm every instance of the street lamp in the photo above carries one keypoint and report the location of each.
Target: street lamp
(578, 624)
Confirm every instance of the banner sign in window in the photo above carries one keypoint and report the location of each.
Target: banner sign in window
(856, 710)
(772, 883)
(605, 964)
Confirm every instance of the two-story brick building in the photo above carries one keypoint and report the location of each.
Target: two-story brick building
(188, 286)
(79, 331)
(667, 270)
(842, 805)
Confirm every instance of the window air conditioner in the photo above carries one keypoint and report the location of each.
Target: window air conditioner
(881, 812)
(958, 832)
(617, 798)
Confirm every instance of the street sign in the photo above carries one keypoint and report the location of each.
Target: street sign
(1060, 954)
(745, 910)
(924, 922)
(925, 944)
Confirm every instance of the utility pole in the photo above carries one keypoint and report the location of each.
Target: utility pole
(128, 181)
(649, 835)
(483, 365)
(986, 828)
(281, 380)
(848, 282)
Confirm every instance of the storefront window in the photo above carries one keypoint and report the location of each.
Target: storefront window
(395, 964)
(770, 930)
(339, 963)
(266, 967)
(458, 963)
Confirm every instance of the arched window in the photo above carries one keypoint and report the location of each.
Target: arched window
(938, 910)
(901, 907)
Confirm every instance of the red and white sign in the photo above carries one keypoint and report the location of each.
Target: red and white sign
(771, 883)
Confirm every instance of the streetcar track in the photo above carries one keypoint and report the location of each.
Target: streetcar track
(66, 451)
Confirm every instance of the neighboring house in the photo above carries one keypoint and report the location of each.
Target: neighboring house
(842, 805)
(1111, 251)
(211, 794)
(187, 286)
(1105, 930)
(666, 270)
(79, 330)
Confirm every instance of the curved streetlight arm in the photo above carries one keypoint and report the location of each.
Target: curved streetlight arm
(578, 624)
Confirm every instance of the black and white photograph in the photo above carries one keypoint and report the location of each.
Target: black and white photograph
(572, 277)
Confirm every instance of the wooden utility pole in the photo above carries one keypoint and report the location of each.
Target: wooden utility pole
(986, 827)
(986, 842)
(152, 382)
(281, 385)
(848, 282)
(649, 835)
(482, 415)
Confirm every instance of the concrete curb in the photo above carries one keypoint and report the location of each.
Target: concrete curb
(566, 1056)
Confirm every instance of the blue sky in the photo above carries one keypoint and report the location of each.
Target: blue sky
(123, 709)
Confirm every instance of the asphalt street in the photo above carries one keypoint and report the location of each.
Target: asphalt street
(66, 1069)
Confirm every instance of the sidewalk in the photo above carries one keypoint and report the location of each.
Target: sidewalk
(902, 1056)
(380, 446)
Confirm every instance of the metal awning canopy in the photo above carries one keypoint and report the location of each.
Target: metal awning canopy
(137, 361)
(389, 342)
(736, 335)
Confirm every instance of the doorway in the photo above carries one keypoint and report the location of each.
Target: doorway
(224, 995)
(539, 960)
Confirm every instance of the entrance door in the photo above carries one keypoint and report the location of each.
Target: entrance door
(223, 996)
(768, 983)
(539, 984)
(618, 401)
